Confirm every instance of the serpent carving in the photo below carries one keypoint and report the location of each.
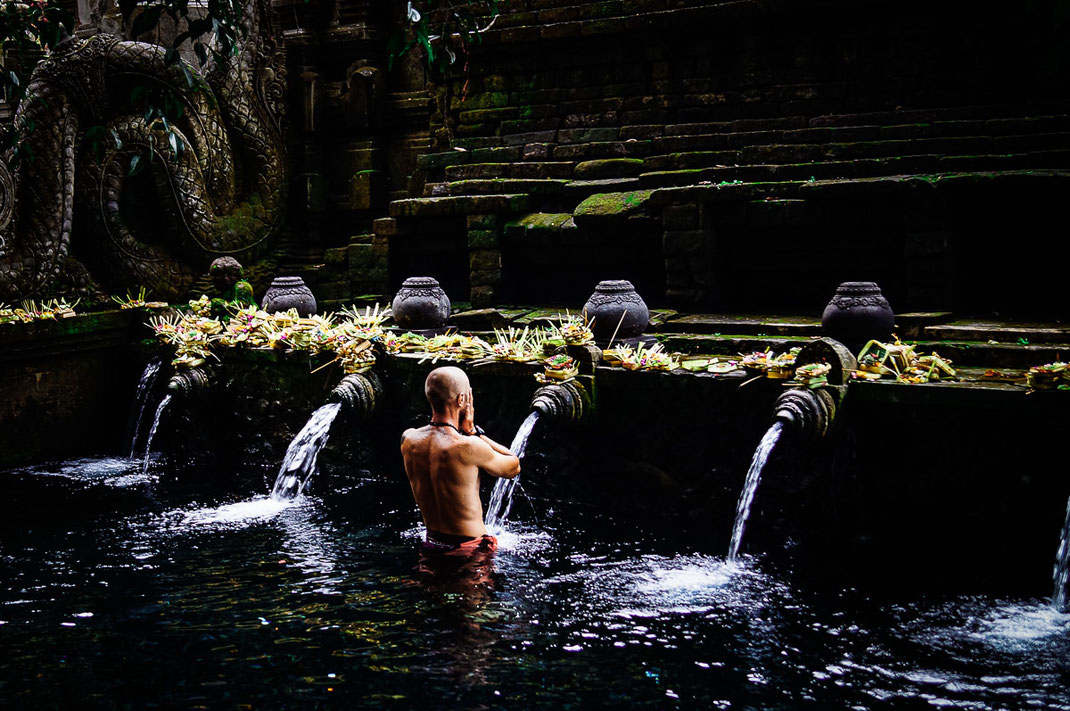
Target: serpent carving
(222, 195)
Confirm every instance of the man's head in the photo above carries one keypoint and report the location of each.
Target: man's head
(447, 387)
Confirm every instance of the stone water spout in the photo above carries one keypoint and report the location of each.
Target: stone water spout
(358, 393)
(566, 402)
(808, 414)
(190, 384)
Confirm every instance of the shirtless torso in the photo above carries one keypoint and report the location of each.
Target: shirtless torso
(442, 461)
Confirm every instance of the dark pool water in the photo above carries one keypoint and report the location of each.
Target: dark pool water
(119, 591)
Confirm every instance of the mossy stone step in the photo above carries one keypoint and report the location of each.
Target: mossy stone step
(461, 205)
(604, 208)
(744, 324)
(537, 226)
(1000, 331)
(498, 186)
(485, 171)
(608, 149)
(861, 168)
(1014, 132)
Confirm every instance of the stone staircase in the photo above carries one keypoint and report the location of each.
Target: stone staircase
(576, 163)
(719, 158)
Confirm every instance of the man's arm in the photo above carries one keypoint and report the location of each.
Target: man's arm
(492, 457)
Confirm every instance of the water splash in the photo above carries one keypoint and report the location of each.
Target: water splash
(237, 514)
(501, 498)
(152, 432)
(141, 400)
(300, 461)
(750, 485)
(1062, 566)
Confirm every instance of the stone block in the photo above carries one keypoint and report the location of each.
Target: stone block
(537, 111)
(474, 129)
(336, 255)
(542, 169)
(436, 161)
(645, 116)
(482, 222)
(561, 30)
(520, 139)
(487, 115)
(482, 100)
(548, 123)
(482, 239)
(504, 154)
(609, 168)
(536, 151)
(535, 224)
(461, 205)
(642, 131)
(680, 217)
(365, 189)
(588, 135)
(482, 259)
(485, 277)
(685, 243)
(476, 171)
(482, 296)
(606, 208)
(385, 226)
(609, 118)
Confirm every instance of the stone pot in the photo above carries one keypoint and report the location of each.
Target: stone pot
(420, 304)
(289, 293)
(612, 299)
(858, 313)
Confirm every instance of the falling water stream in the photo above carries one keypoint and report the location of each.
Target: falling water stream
(750, 485)
(152, 431)
(300, 461)
(141, 400)
(1062, 565)
(501, 499)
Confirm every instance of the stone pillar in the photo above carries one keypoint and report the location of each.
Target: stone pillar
(484, 258)
(687, 249)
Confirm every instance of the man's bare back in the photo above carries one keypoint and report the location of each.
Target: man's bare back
(443, 459)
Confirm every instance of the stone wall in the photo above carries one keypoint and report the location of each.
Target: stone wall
(783, 146)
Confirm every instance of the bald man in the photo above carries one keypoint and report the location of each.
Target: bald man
(442, 461)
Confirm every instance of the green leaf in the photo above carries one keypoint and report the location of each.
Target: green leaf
(135, 165)
(202, 53)
(14, 78)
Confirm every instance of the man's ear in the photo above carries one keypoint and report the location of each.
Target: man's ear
(462, 400)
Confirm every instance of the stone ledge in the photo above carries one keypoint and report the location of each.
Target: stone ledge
(459, 205)
(603, 207)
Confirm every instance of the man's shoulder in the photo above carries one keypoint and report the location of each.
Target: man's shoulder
(414, 434)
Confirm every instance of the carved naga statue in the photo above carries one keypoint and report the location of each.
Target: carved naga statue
(222, 195)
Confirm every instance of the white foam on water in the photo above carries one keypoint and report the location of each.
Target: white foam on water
(242, 512)
(118, 472)
(1018, 625)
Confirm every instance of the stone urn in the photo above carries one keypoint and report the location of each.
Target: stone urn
(612, 300)
(289, 293)
(420, 304)
(858, 313)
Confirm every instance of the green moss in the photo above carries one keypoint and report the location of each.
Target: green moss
(539, 221)
(613, 204)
